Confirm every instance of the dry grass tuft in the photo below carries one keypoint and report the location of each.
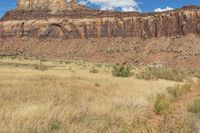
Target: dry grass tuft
(194, 107)
(179, 90)
(153, 73)
(161, 105)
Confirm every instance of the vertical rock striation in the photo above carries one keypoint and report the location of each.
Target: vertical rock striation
(34, 18)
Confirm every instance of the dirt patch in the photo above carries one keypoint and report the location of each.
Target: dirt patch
(178, 109)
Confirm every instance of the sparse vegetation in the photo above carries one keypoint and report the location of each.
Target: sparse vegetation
(179, 90)
(194, 107)
(121, 71)
(41, 66)
(70, 98)
(197, 85)
(67, 62)
(181, 124)
(197, 74)
(54, 126)
(97, 84)
(94, 70)
(153, 73)
(193, 72)
(161, 105)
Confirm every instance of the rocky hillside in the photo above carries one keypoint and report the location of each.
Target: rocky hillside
(71, 31)
(59, 19)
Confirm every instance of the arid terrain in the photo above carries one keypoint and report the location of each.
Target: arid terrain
(175, 52)
(66, 68)
(168, 38)
(70, 96)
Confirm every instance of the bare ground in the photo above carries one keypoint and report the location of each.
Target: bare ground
(179, 110)
(175, 51)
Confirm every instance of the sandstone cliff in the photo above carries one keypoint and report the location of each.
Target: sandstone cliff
(73, 21)
(45, 4)
(171, 38)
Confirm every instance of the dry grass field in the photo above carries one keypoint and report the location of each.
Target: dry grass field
(69, 97)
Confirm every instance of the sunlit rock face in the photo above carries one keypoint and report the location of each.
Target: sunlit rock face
(44, 4)
(69, 20)
(67, 30)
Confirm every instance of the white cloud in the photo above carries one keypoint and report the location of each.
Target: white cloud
(163, 9)
(83, 2)
(124, 5)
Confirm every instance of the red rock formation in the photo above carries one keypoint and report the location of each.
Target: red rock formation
(80, 22)
(73, 24)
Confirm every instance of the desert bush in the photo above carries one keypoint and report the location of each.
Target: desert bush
(197, 85)
(54, 126)
(94, 70)
(193, 73)
(197, 74)
(121, 71)
(99, 65)
(161, 104)
(40, 66)
(67, 62)
(180, 124)
(152, 73)
(179, 90)
(194, 107)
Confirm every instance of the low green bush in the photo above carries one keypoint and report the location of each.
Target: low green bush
(153, 73)
(161, 104)
(121, 71)
(179, 90)
(194, 107)
(193, 72)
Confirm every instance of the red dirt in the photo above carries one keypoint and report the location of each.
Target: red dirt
(179, 107)
(175, 52)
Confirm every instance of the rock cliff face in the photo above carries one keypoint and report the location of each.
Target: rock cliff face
(73, 21)
(70, 31)
(44, 4)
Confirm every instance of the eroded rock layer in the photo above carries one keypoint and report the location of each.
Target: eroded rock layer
(87, 23)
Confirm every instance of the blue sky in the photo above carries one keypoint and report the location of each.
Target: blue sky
(124, 5)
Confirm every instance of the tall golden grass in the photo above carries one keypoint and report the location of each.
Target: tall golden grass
(67, 98)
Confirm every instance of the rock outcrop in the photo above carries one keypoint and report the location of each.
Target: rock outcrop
(61, 30)
(58, 19)
(45, 4)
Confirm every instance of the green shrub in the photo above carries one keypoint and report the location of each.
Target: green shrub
(193, 73)
(152, 73)
(99, 65)
(161, 105)
(55, 126)
(194, 107)
(197, 75)
(197, 85)
(121, 71)
(67, 62)
(179, 90)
